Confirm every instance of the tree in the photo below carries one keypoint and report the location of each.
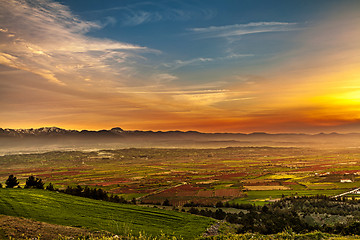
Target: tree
(220, 214)
(87, 192)
(50, 187)
(166, 202)
(40, 183)
(33, 182)
(11, 181)
(0, 185)
(30, 182)
(219, 204)
(78, 190)
(193, 210)
(265, 209)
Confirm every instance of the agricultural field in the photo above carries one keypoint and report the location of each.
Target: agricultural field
(237, 174)
(95, 215)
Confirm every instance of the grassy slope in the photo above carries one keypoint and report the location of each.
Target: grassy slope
(58, 208)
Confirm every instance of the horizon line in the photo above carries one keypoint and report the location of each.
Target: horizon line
(184, 131)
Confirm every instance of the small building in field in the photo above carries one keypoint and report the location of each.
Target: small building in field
(346, 181)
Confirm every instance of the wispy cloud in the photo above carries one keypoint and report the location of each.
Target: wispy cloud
(146, 12)
(200, 61)
(45, 38)
(164, 78)
(138, 90)
(140, 17)
(243, 29)
(181, 63)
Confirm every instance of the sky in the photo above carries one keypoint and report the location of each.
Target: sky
(205, 65)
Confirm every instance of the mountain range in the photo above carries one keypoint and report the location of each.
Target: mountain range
(117, 131)
(54, 138)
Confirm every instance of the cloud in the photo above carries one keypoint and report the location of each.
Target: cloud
(164, 78)
(138, 90)
(45, 38)
(201, 99)
(180, 63)
(140, 17)
(243, 29)
(146, 12)
(233, 56)
(137, 17)
(200, 61)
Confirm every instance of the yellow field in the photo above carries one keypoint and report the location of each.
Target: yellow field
(254, 188)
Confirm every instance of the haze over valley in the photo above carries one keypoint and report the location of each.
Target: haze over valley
(57, 139)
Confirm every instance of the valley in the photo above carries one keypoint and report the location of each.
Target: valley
(167, 183)
(243, 174)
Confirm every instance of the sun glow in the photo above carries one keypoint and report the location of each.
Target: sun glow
(58, 69)
(350, 98)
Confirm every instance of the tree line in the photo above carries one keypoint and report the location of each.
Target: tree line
(31, 182)
(93, 193)
(301, 214)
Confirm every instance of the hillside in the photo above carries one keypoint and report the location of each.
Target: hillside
(58, 208)
(22, 228)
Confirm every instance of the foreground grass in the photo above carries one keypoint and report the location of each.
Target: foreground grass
(58, 208)
(247, 236)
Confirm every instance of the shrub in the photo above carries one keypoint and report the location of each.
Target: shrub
(11, 181)
(33, 182)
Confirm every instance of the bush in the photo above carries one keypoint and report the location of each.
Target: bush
(166, 203)
(11, 182)
(50, 187)
(33, 182)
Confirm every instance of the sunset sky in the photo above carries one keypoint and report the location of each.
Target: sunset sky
(204, 65)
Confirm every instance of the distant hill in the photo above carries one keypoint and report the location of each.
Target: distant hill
(54, 138)
(119, 132)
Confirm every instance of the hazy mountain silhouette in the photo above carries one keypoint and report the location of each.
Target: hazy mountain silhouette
(54, 138)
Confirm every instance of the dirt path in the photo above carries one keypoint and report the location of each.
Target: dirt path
(213, 229)
(345, 193)
(22, 228)
(160, 191)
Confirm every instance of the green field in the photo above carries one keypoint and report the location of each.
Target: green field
(62, 209)
(264, 197)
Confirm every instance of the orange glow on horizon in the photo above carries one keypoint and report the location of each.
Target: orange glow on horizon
(70, 80)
